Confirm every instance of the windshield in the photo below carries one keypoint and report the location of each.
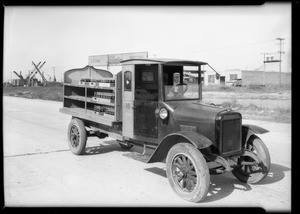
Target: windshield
(181, 82)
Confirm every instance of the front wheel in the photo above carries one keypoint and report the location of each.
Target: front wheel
(187, 172)
(77, 136)
(253, 173)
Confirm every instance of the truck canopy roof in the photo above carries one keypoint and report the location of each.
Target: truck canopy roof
(166, 61)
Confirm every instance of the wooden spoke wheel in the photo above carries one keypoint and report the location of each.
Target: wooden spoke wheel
(77, 136)
(187, 172)
(184, 173)
(253, 173)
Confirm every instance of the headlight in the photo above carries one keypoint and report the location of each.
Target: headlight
(163, 113)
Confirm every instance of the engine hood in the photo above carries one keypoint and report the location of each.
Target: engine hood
(194, 115)
(194, 111)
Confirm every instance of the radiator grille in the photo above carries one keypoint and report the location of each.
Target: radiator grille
(231, 136)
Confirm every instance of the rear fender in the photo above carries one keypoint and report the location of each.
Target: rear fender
(249, 130)
(198, 140)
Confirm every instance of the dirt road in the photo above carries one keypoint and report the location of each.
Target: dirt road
(39, 169)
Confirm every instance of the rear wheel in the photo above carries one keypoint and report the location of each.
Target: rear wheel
(187, 172)
(77, 136)
(258, 171)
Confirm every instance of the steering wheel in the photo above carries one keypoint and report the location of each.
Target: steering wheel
(178, 92)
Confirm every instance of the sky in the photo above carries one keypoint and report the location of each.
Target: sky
(227, 37)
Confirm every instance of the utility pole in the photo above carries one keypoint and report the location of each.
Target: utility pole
(268, 60)
(108, 61)
(54, 79)
(264, 68)
(280, 52)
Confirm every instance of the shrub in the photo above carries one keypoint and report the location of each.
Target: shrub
(253, 107)
(282, 110)
(256, 87)
(231, 104)
(226, 88)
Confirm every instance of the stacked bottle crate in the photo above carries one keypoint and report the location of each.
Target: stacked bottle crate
(107, 111)
(103, 97)
(95, 82)
(84, 81)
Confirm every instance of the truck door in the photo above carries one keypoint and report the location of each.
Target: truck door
(146, 100)
(128, 97)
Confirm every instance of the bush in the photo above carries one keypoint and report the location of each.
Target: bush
(231, 104)
(256, 87)
(282, 110)
(45, 93)
(253, 107)
(226, 88)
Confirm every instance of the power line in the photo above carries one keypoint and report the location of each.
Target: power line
(229, 47)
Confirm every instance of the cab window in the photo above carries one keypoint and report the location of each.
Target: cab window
(181, 82)
(127, 80)
(146, 82)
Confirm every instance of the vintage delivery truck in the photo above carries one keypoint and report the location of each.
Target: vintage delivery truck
(157, 103)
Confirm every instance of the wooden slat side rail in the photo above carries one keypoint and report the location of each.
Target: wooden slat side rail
(81, 113)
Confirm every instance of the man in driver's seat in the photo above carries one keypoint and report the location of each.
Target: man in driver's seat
(174, 89)
(176, 92)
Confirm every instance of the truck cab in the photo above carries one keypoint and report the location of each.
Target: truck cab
(151, 90)
(163, 97)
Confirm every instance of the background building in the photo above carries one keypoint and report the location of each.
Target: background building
(257, 77)
(210, 77)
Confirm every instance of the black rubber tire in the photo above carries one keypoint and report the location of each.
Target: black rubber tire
(263, 167)
(195, 157)
(77, 136)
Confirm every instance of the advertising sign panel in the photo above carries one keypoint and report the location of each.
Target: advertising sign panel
(115, 59)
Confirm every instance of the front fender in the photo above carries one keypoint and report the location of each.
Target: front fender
(249, 130)
(198, 140)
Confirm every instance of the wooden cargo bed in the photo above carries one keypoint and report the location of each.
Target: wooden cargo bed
(93, 95)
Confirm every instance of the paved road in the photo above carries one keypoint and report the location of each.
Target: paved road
(39, 169)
